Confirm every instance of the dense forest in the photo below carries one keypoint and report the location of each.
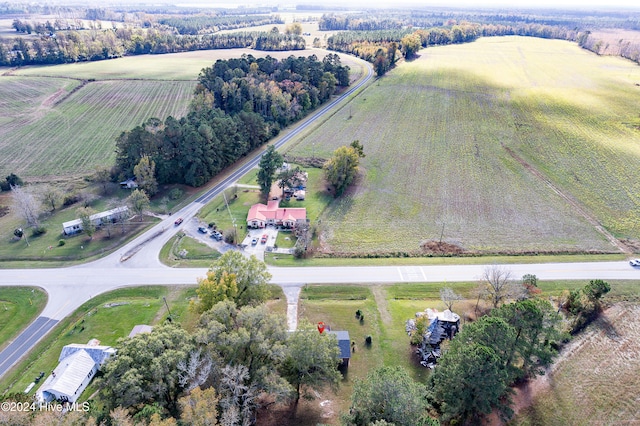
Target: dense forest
(205, 24)
(238, 105)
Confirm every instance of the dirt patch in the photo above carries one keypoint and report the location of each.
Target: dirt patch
(4, 210)
(440, 248)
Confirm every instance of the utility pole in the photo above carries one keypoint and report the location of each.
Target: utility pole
(167, 305)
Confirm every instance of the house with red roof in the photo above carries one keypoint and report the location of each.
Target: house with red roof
(261, 215)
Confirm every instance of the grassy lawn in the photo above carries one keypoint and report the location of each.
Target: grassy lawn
(18, 307)
(46, 249)
(196, 253)
(386, 309)
(438, 133)
(107, 317)
(337, 309)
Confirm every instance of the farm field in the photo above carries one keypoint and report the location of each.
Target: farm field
(57, 126)
(595, 379)
(451, 138)
(74, 136)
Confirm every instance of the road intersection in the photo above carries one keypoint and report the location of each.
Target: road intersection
(137, 263)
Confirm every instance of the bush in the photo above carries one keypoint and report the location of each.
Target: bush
(70, 199)
(40, 230)
(61, 242)
(299, 251)
(176, 193)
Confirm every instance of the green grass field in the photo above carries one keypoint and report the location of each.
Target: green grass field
(72, 137)
(18, 307)
(436, 132)
(69, 133)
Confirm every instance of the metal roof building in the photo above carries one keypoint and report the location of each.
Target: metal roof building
(78, 365)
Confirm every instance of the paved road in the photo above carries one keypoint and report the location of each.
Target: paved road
(136, 263)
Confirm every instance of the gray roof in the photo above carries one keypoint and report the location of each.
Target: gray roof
(98, 353)
(69, 374)
(140, 328)
(344, 342)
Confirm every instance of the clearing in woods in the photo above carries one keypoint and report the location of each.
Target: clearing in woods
(439, 133)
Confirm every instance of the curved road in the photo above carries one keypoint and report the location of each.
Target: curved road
(137, 263)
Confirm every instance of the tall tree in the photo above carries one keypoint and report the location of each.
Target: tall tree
(312, 359)
(271, 160)
(411, 43)
(250, 343)
(103, 177)
(27, 206)
(535, 327)
(235, 277)
(51, 196)
(212, 290)
(84, 214)
(144, 370)
(449, 297)
(138, 201)
(468, 382)
(389, 394)
(145, 173)
(500, 285)
(342, 168)
(199, 408)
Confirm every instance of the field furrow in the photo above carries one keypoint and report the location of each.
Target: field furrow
(73, 137)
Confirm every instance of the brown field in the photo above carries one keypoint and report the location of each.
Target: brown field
(596, 378)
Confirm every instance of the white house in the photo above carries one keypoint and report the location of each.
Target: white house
(98, 219)
(78, 364)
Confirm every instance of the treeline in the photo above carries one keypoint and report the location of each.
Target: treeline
(94, 45)
(628, 49)
(582, 20)
(202, 24)
(333, 22)
(381, 47)
(238, 105)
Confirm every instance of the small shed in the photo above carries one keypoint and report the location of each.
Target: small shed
(344, 343)
(129, 183)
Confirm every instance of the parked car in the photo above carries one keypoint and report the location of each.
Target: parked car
(254, 241)
(202, 229)
(634, 262)
(178, 221)
(264, 238)
(216, 235)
